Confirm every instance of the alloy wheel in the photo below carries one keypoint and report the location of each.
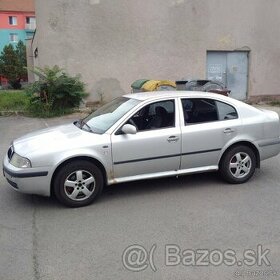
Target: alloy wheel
(240, 165)
(79, 185)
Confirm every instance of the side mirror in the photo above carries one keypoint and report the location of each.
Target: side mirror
(129, 129)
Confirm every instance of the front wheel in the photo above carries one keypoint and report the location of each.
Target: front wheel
(78, 183)
(238, 165)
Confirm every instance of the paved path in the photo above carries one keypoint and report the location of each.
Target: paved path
(40, 239)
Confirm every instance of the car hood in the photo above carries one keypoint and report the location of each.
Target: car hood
(53, 138)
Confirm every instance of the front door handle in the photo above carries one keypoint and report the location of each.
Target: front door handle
(229, 130)
(172, 139)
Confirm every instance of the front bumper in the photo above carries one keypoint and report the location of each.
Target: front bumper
(28, 180)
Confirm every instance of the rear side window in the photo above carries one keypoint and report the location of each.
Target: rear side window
(198, 110)
(226, 111)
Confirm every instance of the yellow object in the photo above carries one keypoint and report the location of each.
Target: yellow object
(153, 85)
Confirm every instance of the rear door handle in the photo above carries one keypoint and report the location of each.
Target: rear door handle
(229, 130)
(172, 139)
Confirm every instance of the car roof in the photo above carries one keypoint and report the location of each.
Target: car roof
(154, 95)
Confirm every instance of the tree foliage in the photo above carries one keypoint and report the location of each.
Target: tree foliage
(13, 64)
(55, 90)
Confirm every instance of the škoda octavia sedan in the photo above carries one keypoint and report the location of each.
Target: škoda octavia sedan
(142, 136)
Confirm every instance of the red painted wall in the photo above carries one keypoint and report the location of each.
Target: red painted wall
(21, 20)
(3, 81)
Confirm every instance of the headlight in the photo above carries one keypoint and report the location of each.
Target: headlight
(19, 161)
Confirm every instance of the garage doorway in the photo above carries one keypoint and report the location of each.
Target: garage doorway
(230, 68)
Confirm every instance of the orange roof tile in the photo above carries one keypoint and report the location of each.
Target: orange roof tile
(17, 5)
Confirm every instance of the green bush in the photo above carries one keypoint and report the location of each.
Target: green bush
(274, 103)
(55, 93)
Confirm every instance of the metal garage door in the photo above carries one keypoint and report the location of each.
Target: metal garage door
(230, 68)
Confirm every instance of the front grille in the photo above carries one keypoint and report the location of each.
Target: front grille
(10, 152)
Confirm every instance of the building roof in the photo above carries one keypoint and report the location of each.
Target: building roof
(17, 5)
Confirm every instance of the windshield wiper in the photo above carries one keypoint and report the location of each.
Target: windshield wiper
(82, 124)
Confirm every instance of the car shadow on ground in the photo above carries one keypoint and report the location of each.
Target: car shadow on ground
(138, 188)
(168, 184)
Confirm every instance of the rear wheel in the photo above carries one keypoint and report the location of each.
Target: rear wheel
(78, 183)
(238, 165)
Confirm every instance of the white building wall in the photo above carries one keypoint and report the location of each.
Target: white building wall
(112, 43)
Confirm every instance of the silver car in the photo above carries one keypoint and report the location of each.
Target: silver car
(142, 136)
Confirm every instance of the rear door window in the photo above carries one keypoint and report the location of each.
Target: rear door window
(198, 110)
(204, 110)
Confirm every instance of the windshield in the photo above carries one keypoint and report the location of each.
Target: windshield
(106, 116)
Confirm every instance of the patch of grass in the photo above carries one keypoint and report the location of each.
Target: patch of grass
(18, 100)
(275, 103)
(13, 100)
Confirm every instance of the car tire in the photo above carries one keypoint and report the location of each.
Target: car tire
(78, 183)
(238, 164)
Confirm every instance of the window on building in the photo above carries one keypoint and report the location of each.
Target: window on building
(30, 23)
(12, 20)
(30, 20)
(14, 37)
(29, 34)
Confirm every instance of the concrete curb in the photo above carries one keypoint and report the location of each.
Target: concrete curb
(11, 113)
